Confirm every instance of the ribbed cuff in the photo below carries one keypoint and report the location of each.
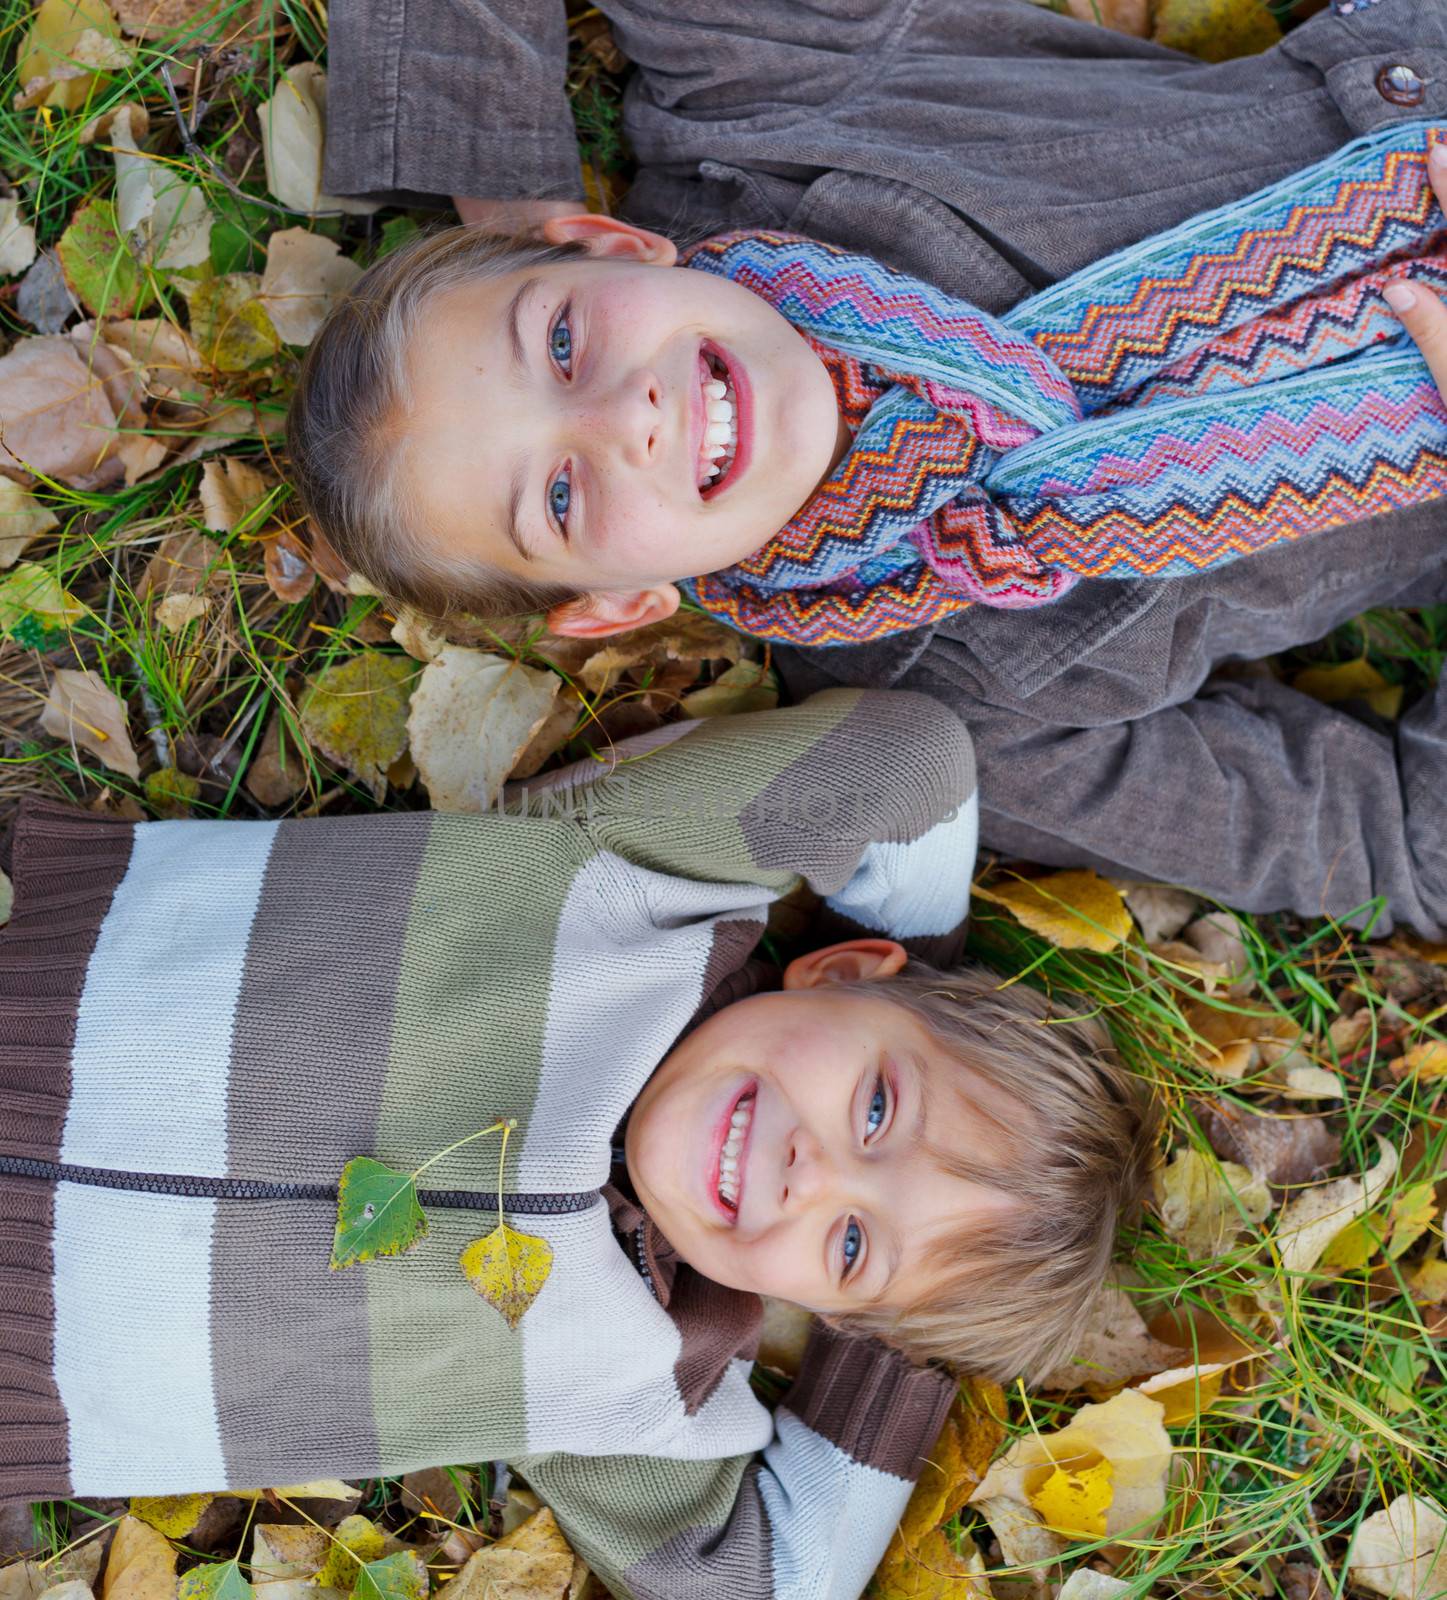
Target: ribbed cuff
(869, 1401)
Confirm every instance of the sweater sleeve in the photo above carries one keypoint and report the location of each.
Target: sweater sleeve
(807, 1518)
(868, 796)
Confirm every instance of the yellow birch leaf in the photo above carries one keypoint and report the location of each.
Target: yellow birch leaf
(1309, 1223)
(1427, 1060)
(356, 1540)
(1353, 1247)
(172, 1514)
(1351, 680)
(1185, 1392)
(1074, 1500)
(1411, 1216)
(1428, 1281)
(934, 1570)
(1073, 910)
(141, 1564)
(508, 1269)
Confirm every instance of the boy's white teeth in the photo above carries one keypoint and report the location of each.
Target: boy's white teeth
(728, 1163)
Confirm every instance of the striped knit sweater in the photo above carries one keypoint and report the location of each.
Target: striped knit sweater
(203, 1021)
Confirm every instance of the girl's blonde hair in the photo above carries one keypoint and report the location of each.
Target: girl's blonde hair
(345, 430)
(1074, 1138)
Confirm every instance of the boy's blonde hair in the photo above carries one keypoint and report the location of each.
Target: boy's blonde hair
(345, 429)
(1077, 1137)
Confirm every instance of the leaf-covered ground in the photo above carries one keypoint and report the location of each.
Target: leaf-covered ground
(1261, 1406)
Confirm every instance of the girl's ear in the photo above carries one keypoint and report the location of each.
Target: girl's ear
(607, 237)
(597, 615)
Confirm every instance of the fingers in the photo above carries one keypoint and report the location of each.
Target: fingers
(1424, 316)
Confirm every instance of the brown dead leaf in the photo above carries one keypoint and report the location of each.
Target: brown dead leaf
(1284, 1151)
(22, 520)
(1231, 1036)
(746, 686)
(175, 611)
(281, 1550)
(1121, 16)
(306, 274)
(1401, 1551)
(293, 137)
(65, 40)
(472, 717)
(552, 733)
(1113, 1345)
(533, 1562)
(17, 240)
(1160, 911)
(185, 562)
(355, 712)
(289, 572)
(1427, 1060)
(231, 490)
(686, 635)
(56, 415)
(1219, 937)
(933, 1569)
(154, 19)
(142, 1564)
(1074, 910)
(82, 710)
(172, 363)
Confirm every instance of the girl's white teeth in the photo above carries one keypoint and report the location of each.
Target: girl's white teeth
(720, 434)
(714, 389)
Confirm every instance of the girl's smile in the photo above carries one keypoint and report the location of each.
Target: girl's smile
(609, 427)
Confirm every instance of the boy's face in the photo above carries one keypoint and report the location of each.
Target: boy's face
(565, 421)
(781, 1146)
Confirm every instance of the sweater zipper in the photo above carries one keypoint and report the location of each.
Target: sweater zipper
(254, 1189)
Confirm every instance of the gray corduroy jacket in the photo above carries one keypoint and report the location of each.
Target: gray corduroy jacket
(992, 147)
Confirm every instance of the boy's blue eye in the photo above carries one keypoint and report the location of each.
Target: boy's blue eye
(853, 1243)
(874, 1118)
(560, 341)
(560, 497)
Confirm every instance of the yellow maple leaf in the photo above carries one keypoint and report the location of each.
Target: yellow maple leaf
(172, 1514)
(1074, 1499)
(1351, 680)
(1411, 1216)
(1427, 1060)
(508, 1268)
(1074, 910)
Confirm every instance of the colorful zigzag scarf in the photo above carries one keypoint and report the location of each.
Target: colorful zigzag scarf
(1219, 388)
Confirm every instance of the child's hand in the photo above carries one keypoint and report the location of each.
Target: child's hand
(1421, 312)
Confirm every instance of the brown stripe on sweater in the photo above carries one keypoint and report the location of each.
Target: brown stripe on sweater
(705, 1563)
(835, 797)
(716, 1325)
(66, 867)
(34, 1434)
(869, 1401)
(290, 1345)
(313, 1029)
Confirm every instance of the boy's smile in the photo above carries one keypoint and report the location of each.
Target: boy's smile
(782, 1147)
(603, 425)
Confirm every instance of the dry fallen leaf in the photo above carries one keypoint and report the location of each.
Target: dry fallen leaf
(22, 519)
(1066, 1472)
(161, 211)
(1284, 1151)
(7, 898)
(1160, 911)
(1231, 1037)
(1087, 1584)
(175, 611)
(289, 573)
(230, 491)
(533, 1562)
(1074, 910)
(141, 1565)
(56, 415)
(1112, 1346)
(685, 636)
(1427, 1060)
(745, 686)
(932, 1569)
(172, 363)
(277, 772)
(174, 1515)
(1220, 938)
(17, 240)
(1401, 1551)
(81, 710)
(1351, 680)
(355, 712)
(306, 274)
(185, 562)
(1309, 1223)
(293, 137)
(473, 715)
(47, 65)
(1204, 1204)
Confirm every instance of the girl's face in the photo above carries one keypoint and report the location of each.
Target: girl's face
(613, 423)
(783, 1146)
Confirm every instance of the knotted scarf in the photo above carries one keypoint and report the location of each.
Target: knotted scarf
(1214, 390)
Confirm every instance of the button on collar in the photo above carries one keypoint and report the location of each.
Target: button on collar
(1401, 85)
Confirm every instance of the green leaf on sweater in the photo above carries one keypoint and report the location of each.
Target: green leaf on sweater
(215, 1580)
(508, 1268)
(378, 1213)
(400, 1576)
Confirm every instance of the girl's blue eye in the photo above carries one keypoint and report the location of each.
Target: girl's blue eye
(560, 341)
(874, 1118)
(560, 497)
(853, 1243)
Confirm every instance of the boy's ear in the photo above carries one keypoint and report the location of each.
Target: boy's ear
(856, 961)
(594, 616)
(608, 237)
